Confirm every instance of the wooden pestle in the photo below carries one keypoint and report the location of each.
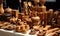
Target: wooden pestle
(52, 30)
(51, 34)
(48, 27)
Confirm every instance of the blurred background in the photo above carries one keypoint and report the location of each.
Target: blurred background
(14, 4)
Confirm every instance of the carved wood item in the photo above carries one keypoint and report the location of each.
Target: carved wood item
(1, 7)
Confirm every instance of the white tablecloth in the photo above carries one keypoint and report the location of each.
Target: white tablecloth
(12, 33)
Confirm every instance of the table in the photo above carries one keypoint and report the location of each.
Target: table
(12, 33)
